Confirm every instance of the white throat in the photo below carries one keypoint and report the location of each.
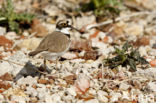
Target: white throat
(64, 30)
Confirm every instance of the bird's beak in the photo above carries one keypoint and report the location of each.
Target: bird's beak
(74, 28)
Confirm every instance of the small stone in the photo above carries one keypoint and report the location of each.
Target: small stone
(51, 81)
(33, 100)
(154, 46)
(92, 101)
(137, 84)
(2, 30)
(34, 86)
(38, 28)
(123, 86)
(115, 97)
(7, 77)
(151, 86)
(72, 91)
(42, 81)
(134, 29)
(153, 63)
(142, 41)
(27, 81)
(4, 85)
(102, 96)
(30, 43)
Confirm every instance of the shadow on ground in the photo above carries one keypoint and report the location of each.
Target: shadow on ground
(29, 70)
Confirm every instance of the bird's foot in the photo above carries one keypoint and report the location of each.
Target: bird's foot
(42, 68)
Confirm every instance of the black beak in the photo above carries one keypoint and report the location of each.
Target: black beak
(74, 28)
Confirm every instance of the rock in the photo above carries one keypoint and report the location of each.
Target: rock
(5, 68)
(90, 55)
(4, 85)
(29, 80)
(30, 43)
(123, 86)
(71, 91)
(153, 63)
(11, 35)
(82, 84)
(82, 22)
(134, 29)
(92, 101)
(69, 55)
(142, 41)
(102, 96)
(6, 77)
(52, 10)
(55, 98)
(154, 46)
(115, 97)
(81, 45)
(2, 31)
(1, 97)
(42, 81)
(151, 87)
(18, 99)
(5, 42)
(38, 28)
(149, 4)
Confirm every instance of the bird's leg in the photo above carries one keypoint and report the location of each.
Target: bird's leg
(45, 67)
(56, 64)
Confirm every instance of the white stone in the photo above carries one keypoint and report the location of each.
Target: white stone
(2, 30)
(28, 80)
(123, 86)
(19, 99)
(151, 86)
(1, 97)
(72, 91)
(115, 97)
(102, 96)
(92, 101)
(30, 43)
(5, 67)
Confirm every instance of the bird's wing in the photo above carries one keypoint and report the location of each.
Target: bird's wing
(54, 42)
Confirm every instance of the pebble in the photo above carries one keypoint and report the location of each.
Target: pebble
(123, 86)
(27, 81)
(151, 86)
(115, 97)
(102, 96)
(2, 30)
(92, 101)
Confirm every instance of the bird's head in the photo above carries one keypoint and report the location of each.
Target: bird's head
(64, 26)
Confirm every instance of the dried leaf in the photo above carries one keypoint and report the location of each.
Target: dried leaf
(5, 42)
(94, 35)
(38, 28)
(70, 79)
(153, 63)
(81, 45)
(6, 77)
(82, 84)
(90, 55)
(142, 41)
(4, 85)
(42, 81)
(85, 97)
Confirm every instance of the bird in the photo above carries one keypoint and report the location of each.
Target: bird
(55, 44)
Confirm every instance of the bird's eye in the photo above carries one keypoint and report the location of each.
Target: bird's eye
(64, 24)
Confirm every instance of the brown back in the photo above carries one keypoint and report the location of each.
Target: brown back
(54, 42)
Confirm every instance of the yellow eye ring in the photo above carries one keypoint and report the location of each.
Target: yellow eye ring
(64, 24)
